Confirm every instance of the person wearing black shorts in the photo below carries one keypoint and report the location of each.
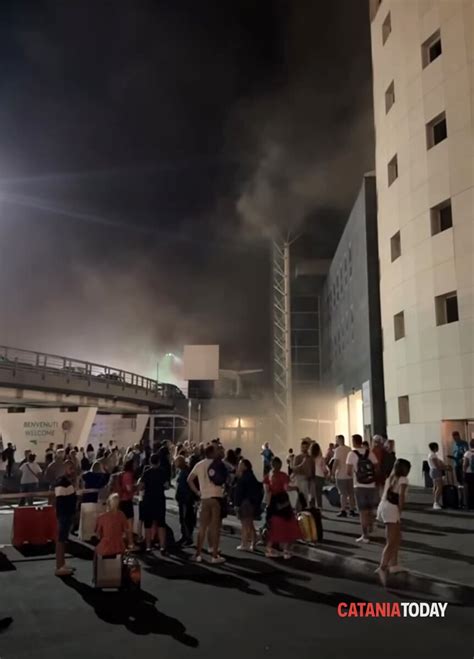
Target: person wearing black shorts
(154, 503)
(126, 490)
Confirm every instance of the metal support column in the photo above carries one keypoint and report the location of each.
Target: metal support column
(282, 373)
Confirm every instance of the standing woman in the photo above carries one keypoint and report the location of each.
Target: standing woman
(321, 471)
(248, 497)
(283, 527)
(126, 491)
(153, 484)
(389, 511)
(437, 469)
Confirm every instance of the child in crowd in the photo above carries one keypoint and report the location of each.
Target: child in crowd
(111, 529)
(437, 468)
(389, 510)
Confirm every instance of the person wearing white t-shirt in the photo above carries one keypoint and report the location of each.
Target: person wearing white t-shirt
(389, 512)
(344, 482)
(437, 469)
(211, 496)
(362, 466)
(30, 477)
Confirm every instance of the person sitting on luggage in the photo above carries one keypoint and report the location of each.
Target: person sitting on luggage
(283, 528)
(437, 468)
(111, 529)
(66, 501)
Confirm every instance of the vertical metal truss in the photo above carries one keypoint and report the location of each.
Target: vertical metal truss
(282, 374)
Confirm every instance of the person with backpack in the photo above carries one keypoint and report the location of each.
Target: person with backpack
(468, 467)
(362, 466)
(248, 497)
(389, 512)
(211, 475)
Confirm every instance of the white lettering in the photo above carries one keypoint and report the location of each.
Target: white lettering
(413, 609)
(442, 606)
(404, 606)
(424, 609)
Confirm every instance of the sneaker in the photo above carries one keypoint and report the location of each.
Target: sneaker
(286, 555)
(363, 540)
(382, 575)
(188, 543)
(342, 513)
(436, 506)
(251, 548)
(353, 513)
(217, 560)
(63, 571)
(242, 548)
(197, 558)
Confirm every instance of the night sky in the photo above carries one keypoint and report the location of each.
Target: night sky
(147, 152)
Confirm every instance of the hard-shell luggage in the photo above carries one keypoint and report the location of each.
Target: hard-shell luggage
(131, 573)
(35, 526)
(317, 516)
(307, 526)
(88, 520)
(108, 571)
(449, 493)
(332, 495)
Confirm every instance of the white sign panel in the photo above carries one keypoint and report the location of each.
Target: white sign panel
(201, 362)
(35, 429)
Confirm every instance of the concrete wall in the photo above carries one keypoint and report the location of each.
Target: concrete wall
(433, 365)
(124, 430)
(351, 348)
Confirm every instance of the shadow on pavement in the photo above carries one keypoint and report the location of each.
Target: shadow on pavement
(413, 526)
(283, 583)
(135, 611)
(182, 569)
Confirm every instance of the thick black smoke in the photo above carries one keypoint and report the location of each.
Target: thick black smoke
(140, 141)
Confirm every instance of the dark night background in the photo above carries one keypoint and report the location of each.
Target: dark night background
(148, 150)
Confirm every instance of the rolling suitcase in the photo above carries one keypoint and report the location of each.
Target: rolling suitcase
(307, 526)
(35, 526)
(88, 520)
(131, 573)
(332, 495)
(317, 516)
(449, 494)
(107, 571)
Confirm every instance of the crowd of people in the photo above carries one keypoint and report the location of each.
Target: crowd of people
(371, 484)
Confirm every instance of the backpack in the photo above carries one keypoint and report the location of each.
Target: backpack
(365, 471)
(217, 472)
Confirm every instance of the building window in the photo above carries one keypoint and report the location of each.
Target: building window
(389, 97)
(447, 308)
(392, 170)
(431, 49)
(399, 325)
(395, 246)
(386, 27)
(404, 409)
(436, 130)
(441, 217)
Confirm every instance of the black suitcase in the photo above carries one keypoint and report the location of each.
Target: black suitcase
(332, 495)
(450, 496)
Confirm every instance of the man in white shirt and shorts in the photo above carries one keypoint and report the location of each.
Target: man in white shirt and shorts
(361, 465)
(344, 482)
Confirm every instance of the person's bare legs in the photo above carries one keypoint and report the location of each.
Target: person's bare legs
(130, 533)
(216, 524)
(365, 521)
(397, 539)
(390, 546)
(162, 537)
(60, 554)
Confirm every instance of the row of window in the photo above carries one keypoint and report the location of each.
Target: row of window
(446, 309)
(344, 335)
(341, 280)
(441, 218)
(431, 49)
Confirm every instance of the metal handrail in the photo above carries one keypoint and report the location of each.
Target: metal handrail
(77, 368)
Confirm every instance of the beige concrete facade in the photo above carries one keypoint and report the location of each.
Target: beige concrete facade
(416, 81)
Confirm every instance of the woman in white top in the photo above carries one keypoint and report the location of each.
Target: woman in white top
(320, 472)
(390, 507)
(30, 477)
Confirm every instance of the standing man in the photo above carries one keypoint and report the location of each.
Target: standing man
(9, 457)
(362, 466)
(459, 449)
(211, 495)
(344, 482)
(304, 469)
(267, 456)
(66, 501)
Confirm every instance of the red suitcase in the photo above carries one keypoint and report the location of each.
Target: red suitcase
(36, 526)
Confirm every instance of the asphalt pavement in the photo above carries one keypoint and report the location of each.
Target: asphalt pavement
(249, 607)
